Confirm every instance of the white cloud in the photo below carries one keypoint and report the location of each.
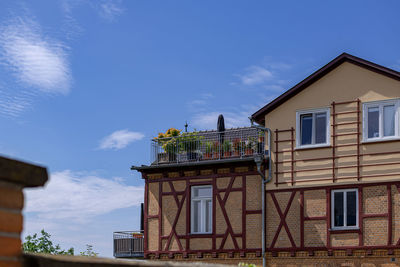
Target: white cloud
(208, 120)
(34, 59)
(200, 103)
(105, 9)
(78, 197)
(120, 139)
(110, 9)
(255, 75)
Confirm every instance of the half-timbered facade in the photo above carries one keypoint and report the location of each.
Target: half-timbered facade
(335, 192)
(334, 196)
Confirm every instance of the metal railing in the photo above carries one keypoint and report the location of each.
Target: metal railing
(128, 244)
(208, 145)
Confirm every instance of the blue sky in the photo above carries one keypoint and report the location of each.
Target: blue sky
(84, 86)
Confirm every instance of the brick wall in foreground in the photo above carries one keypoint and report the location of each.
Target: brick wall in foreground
(14, 176)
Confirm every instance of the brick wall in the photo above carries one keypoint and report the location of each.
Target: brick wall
(14, 176)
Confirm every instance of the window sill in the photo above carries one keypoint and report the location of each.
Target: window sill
(393, 139)
(312, 147)
(200, 234)
(345, 230)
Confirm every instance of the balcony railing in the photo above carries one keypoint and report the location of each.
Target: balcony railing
(208, 145)
(128, 244)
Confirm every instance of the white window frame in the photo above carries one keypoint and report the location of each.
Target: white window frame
(298, 128)
(344, 227)
(380, 104)
(203, 201)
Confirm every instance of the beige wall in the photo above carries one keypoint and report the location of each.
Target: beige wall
(345, 83)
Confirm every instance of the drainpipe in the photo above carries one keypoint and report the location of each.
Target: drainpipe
(259, 159)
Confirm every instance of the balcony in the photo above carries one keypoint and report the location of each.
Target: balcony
(128, 244)
(208, 146)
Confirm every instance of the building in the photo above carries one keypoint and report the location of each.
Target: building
(334, 194)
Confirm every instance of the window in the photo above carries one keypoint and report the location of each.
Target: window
(312, 128)
(380, 120)
(201, 213)
(344, 209)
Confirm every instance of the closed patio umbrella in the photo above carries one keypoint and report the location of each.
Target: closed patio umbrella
(221, 129)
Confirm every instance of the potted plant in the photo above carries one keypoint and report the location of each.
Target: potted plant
(168, 141)
(190, 143)
(237, 147)
(209, 150)
(227, 146)
(216, 150)
(249, 146)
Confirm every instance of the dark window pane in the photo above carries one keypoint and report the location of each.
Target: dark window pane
(320, 128)
(196, 216)
(306, 128)
(351, 209)
(388, 120)
(338, 212)
(208, 215)
(373, 122)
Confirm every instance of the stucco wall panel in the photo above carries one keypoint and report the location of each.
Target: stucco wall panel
(238, 182)
(315, 233)
(283, 240)
(283, 199)
(253, 231)
(223, 182)
(253, 192)
(200, 243)
(166, 187)
(233, 208)
(153, 196)
(376, 231)
(153, 234)
(220, 224)
(375, 199)
(273, 220)
(168, 204)
(179, 185)
(174, 244)
(229, 243)
(314, 203)
(338, 240)
(181, 224)
(293, 219)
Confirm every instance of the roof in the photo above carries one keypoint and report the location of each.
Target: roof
(259, 116)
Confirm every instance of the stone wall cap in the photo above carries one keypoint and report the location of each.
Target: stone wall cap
(32, 259)
(22, 173)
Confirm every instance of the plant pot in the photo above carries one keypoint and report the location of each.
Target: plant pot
(227, 154)
(166, 157)
(249, 152)
(215, 155)
(192, 155)
(236, 154)
(207, 156)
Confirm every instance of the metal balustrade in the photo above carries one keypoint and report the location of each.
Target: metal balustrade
(128, 244)
(208, 145)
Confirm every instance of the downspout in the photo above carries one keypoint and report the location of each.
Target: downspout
(259, 159)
